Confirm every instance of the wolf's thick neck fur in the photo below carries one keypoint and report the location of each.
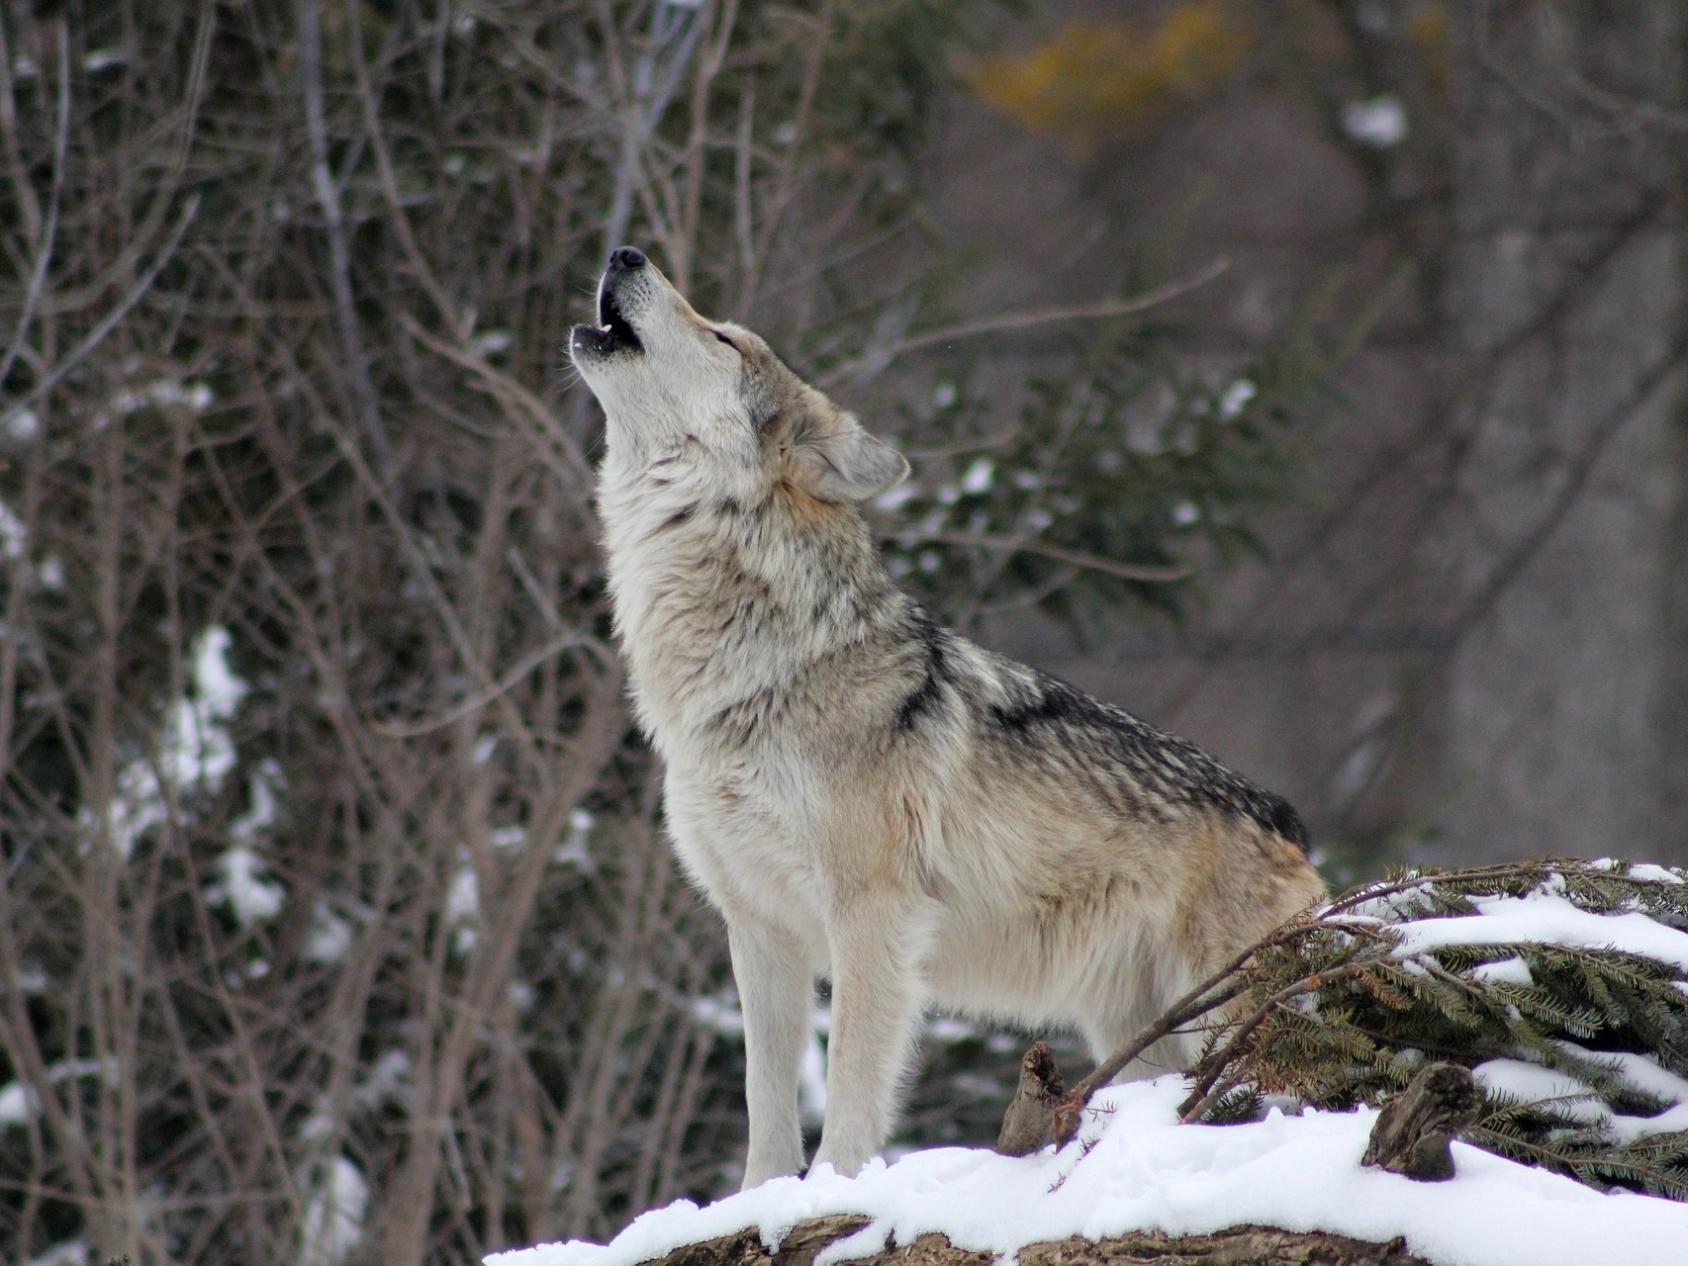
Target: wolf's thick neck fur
(735, 605)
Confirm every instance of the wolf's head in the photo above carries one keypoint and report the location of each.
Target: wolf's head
(669, 380)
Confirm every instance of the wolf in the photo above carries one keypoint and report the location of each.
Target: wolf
(862, 793)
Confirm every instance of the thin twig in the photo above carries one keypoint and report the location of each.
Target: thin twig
(339, 256)
(1028, 318)
(1202, 1096)
(110, 321)
(49, 230)
(1211, 994)
(502, 387)
(1061, 554)
(521, 668)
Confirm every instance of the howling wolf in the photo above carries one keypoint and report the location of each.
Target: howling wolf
(862, 793)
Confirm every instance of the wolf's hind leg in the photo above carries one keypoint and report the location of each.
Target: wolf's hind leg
(877, 945)
(776, 989)
(1120, 1018)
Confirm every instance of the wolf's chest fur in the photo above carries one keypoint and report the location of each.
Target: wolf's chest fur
(761, 644)
(741, 622)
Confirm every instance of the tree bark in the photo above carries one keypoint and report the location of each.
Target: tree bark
(1560, 707)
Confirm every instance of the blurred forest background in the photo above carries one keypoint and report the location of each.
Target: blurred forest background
(1306, 375)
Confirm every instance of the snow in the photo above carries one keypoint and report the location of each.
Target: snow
(1143, 1170)
(19, 1102)
(463, 906)
(195, 751)
(1642, 1073)
(23, 425)
(14, 536)
(243, 881)
(575, 849)
(1508, 971)
(166, 392)
(1380, 123)
(1576, 1099)
(1648, 1077)
(1527, 1082)
(1546, 918)
(334, 1215)
(328, 937)
(241, 884)
(388, 1081)
(811, 1070)
(897, 496)
(1236, 398)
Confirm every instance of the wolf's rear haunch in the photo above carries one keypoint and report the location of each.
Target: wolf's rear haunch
(864, 794)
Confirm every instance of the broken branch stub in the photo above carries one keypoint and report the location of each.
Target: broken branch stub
(1414, 1129)
(1029, 1122)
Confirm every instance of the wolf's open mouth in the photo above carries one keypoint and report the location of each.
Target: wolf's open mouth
(614, 329)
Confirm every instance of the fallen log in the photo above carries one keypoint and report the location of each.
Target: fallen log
(1234, 1246)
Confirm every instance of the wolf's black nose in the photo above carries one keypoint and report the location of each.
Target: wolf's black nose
(627, 257)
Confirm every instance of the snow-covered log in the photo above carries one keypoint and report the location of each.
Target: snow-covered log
(1138, 1176)
(1255, 1245)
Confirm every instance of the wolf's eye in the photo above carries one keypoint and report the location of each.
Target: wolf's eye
(729, 342)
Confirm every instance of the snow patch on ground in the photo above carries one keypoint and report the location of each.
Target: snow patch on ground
(1136, 1168)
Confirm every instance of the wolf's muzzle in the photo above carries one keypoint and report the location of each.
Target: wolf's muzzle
(614, 332)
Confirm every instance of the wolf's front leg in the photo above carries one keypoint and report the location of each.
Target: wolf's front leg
(877, 944)
(776, 989)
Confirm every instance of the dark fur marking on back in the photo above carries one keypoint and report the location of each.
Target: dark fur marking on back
(1282, 817)
(928, 695)
(1163, 766)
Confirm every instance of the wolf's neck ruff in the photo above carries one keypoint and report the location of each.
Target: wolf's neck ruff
(862, 793)
(724, 600)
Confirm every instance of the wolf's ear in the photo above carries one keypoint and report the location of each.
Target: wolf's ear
(843, 463)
